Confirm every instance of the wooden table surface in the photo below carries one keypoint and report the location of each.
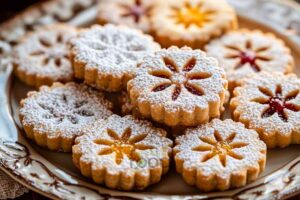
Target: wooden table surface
(9, 8)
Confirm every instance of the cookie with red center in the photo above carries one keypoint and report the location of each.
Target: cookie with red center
(270, 104)
(133, 13)
(54, 116)
(244, 53)
(42, 56)
(219, 155)
(123, 153)
(178, 87)
(191, 22)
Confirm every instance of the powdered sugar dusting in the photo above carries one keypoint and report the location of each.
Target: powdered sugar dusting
(112, 50)
(133, 13)
(195, 81)
(270, 54)
(64, 110)
(201, 148)
(251, 101)
(45, 52)
(146, 141)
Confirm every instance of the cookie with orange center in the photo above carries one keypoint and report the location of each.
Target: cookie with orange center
(219, 155)
(191, 23)
(123, 153)
(179, 87)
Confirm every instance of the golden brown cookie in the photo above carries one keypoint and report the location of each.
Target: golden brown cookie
(219, 155)
(191, 22)
(107, 56)
(123, 153)
(270, 104)
(244, 53)
(55, 115)
(179, 87)
(42, 56)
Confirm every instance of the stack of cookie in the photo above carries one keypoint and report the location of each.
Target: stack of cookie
(178, 87)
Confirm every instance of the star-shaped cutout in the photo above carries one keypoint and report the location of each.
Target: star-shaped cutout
(222, 148)
(189, 15)
(126, 145)
(180, 77)
(277, 103)
(137, 11)
(248, 55)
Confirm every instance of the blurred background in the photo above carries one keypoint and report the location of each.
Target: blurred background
(9, 8)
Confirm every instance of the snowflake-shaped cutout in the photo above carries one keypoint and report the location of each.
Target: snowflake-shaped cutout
(222, 148)
(180, 77)
(248, 55)
(189, 15)
(71, 110)
(126, 145)
(277, 103)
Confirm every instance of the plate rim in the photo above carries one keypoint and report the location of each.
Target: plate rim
(6, 74)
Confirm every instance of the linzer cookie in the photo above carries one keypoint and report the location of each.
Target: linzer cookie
(55, 115)
(42, 56)
(219, 155)
(244, 53)
(106, 56)
(133, 13)
(123, 153)
(270, 104)
(179, 87)
(191, 22)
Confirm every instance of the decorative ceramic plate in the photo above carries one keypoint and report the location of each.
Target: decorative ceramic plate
(53, 174)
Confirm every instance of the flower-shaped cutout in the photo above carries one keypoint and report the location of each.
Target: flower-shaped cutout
(217, 146)
(126, 145)
(180, 77)
(189, 15)
(277, 103)
(48, 52)
(136, 11)
(248, 55)
(44, 54)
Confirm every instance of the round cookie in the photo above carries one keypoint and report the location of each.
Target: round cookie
(179, 87)
(42, 56)
(219, 155)
(191, 22)
(244, 53)
(123, 153)
(133, 13)
(55, 115)
(107, 56)
(270, 104)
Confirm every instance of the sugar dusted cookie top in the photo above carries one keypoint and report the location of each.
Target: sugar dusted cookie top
(45, 53)
(113, 50)
(270, 103)
(244, 53)
(179, 79)
(133, 13)
(63, 110)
